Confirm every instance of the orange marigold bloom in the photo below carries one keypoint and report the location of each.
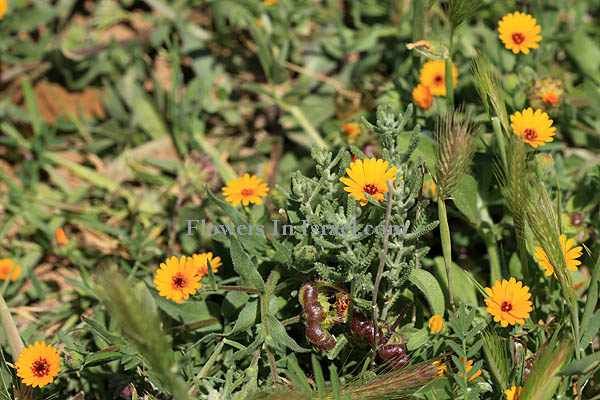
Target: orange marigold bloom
(422, 97)
(534, 127)
(247, 189)
(3, 8)
(61, 238)
(38, 364)
(201, 262)
(352, 130)
(369, 176)
(177, 279)
(519, 32)
(433, 76)
(509, 302)
(6, 265)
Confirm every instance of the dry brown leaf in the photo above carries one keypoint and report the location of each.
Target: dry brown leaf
(160, 149)
(95, 240)
(117, 32)
(54, 101)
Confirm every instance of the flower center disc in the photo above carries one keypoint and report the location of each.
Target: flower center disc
(530, 134)
(518, 38)
(247, 192)
(179, 281)
(40, 367)
(438, 79)
(370, 188)
(506, 306)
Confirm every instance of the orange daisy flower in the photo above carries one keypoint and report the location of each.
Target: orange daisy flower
(38, 364)
(519, 32)
(509, 302)
(247, 189)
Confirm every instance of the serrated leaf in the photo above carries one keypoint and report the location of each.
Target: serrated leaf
(430, 288)
(245, 267)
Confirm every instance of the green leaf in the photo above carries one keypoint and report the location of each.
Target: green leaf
(582, 365)
(430, 288)
(318, 372)
(83, 172)
(106, 356)
(227, 208)
(462, 287)
(466, 198)
(280, 336)
(592, 297)
(101, 331)
(425, 148)
(245, 267)
(246, 318)
(543, 380)
(417, 339)
(590, 332)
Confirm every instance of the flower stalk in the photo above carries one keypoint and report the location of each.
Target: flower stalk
(446, 244)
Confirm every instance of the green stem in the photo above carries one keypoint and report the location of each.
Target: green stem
(305, 124)
(499, 135)
(446, 244)
(418, 28)
(495, 273)
(10, 329)
(226, 173)
(449, 77)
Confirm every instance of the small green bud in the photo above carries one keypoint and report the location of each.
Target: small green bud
(73, 359)
(305, 255)
(511, 82)
(520, 99)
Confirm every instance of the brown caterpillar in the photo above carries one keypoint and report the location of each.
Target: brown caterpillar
(315, 315)
(396, 354)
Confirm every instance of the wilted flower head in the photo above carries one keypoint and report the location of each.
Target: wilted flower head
(547, 94)
(422, 97)
(469, 367)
